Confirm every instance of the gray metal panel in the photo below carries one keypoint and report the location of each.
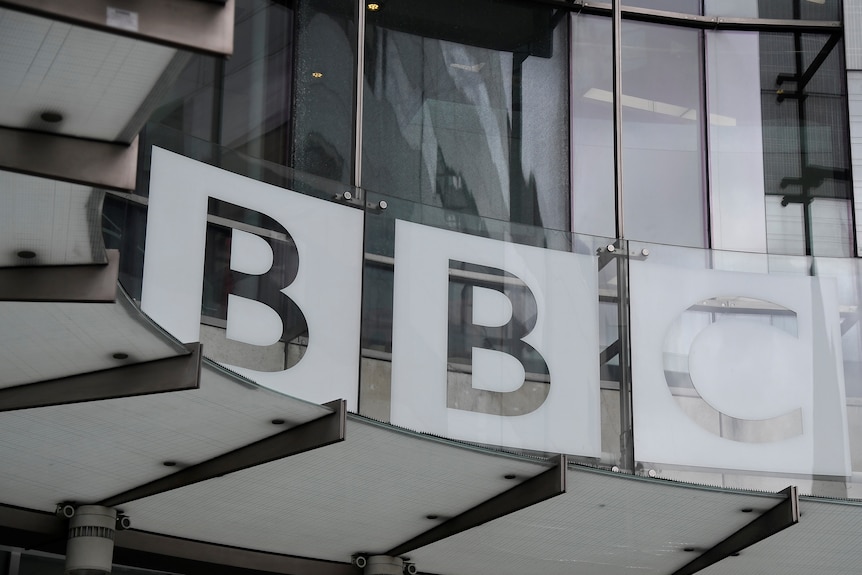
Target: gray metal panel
(372, 491)
(187, 24)
(853, 33)
(854, 104)
(85, 284)
(100, 164)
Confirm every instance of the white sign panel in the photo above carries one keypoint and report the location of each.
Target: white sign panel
(737, 371)
(325, 288)
(517, 325)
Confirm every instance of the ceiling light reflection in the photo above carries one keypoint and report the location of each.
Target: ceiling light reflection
(658, 107)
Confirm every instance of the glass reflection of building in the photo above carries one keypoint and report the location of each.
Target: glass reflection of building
(496, 118)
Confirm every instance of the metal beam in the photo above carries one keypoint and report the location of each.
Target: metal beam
(776, 519)
(176, 555)
(29, 529)
(312, 435)
(95, 283)
(205, 27)
(812, 69)
(534, 490)
(702, 22)
(106, 165)
(158, 376)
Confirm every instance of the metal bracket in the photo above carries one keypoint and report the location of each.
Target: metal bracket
(611, 252)
(158, 376)
(311, 435)
(534, 490)
(80, 284)
(778, 518)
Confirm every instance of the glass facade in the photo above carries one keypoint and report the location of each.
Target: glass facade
(495, 120)
(516, 268)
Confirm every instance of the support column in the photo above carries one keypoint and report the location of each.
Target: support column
(90, 544)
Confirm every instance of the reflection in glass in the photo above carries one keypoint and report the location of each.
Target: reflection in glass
(778, 127)
(735, 141)
(662, 136)
(471, 118)
(806, 157)
(286, 93)
(593, 209)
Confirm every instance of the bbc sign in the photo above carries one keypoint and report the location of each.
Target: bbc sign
(710, 388)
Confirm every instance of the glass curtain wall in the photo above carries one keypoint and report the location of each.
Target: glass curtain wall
(662, 134)
(284, 99)
(286, 93)
(468, 112)
(732, 140)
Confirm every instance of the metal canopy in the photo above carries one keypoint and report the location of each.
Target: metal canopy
(826, 542)
(86, 452)
(783, 515)
(85, 284)
(53, 83)
(371, 492)
(162, 375)
(41, 341)
(310, 435)
(605, 524)
(534, 490)
(59, 224)
(89, 162)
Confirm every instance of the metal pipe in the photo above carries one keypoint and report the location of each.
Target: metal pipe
(359, 93)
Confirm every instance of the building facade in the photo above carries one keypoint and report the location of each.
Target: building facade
(463, 287)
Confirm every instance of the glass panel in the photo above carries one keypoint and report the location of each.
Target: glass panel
(459, 338)
(805, 129)
(593, 210)
(286, 93)
(746, 369)
(662, 134)
(324, 88)
(662, 118)
(782, 9)
(736, 142)
(777, 107)
(472, 118)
